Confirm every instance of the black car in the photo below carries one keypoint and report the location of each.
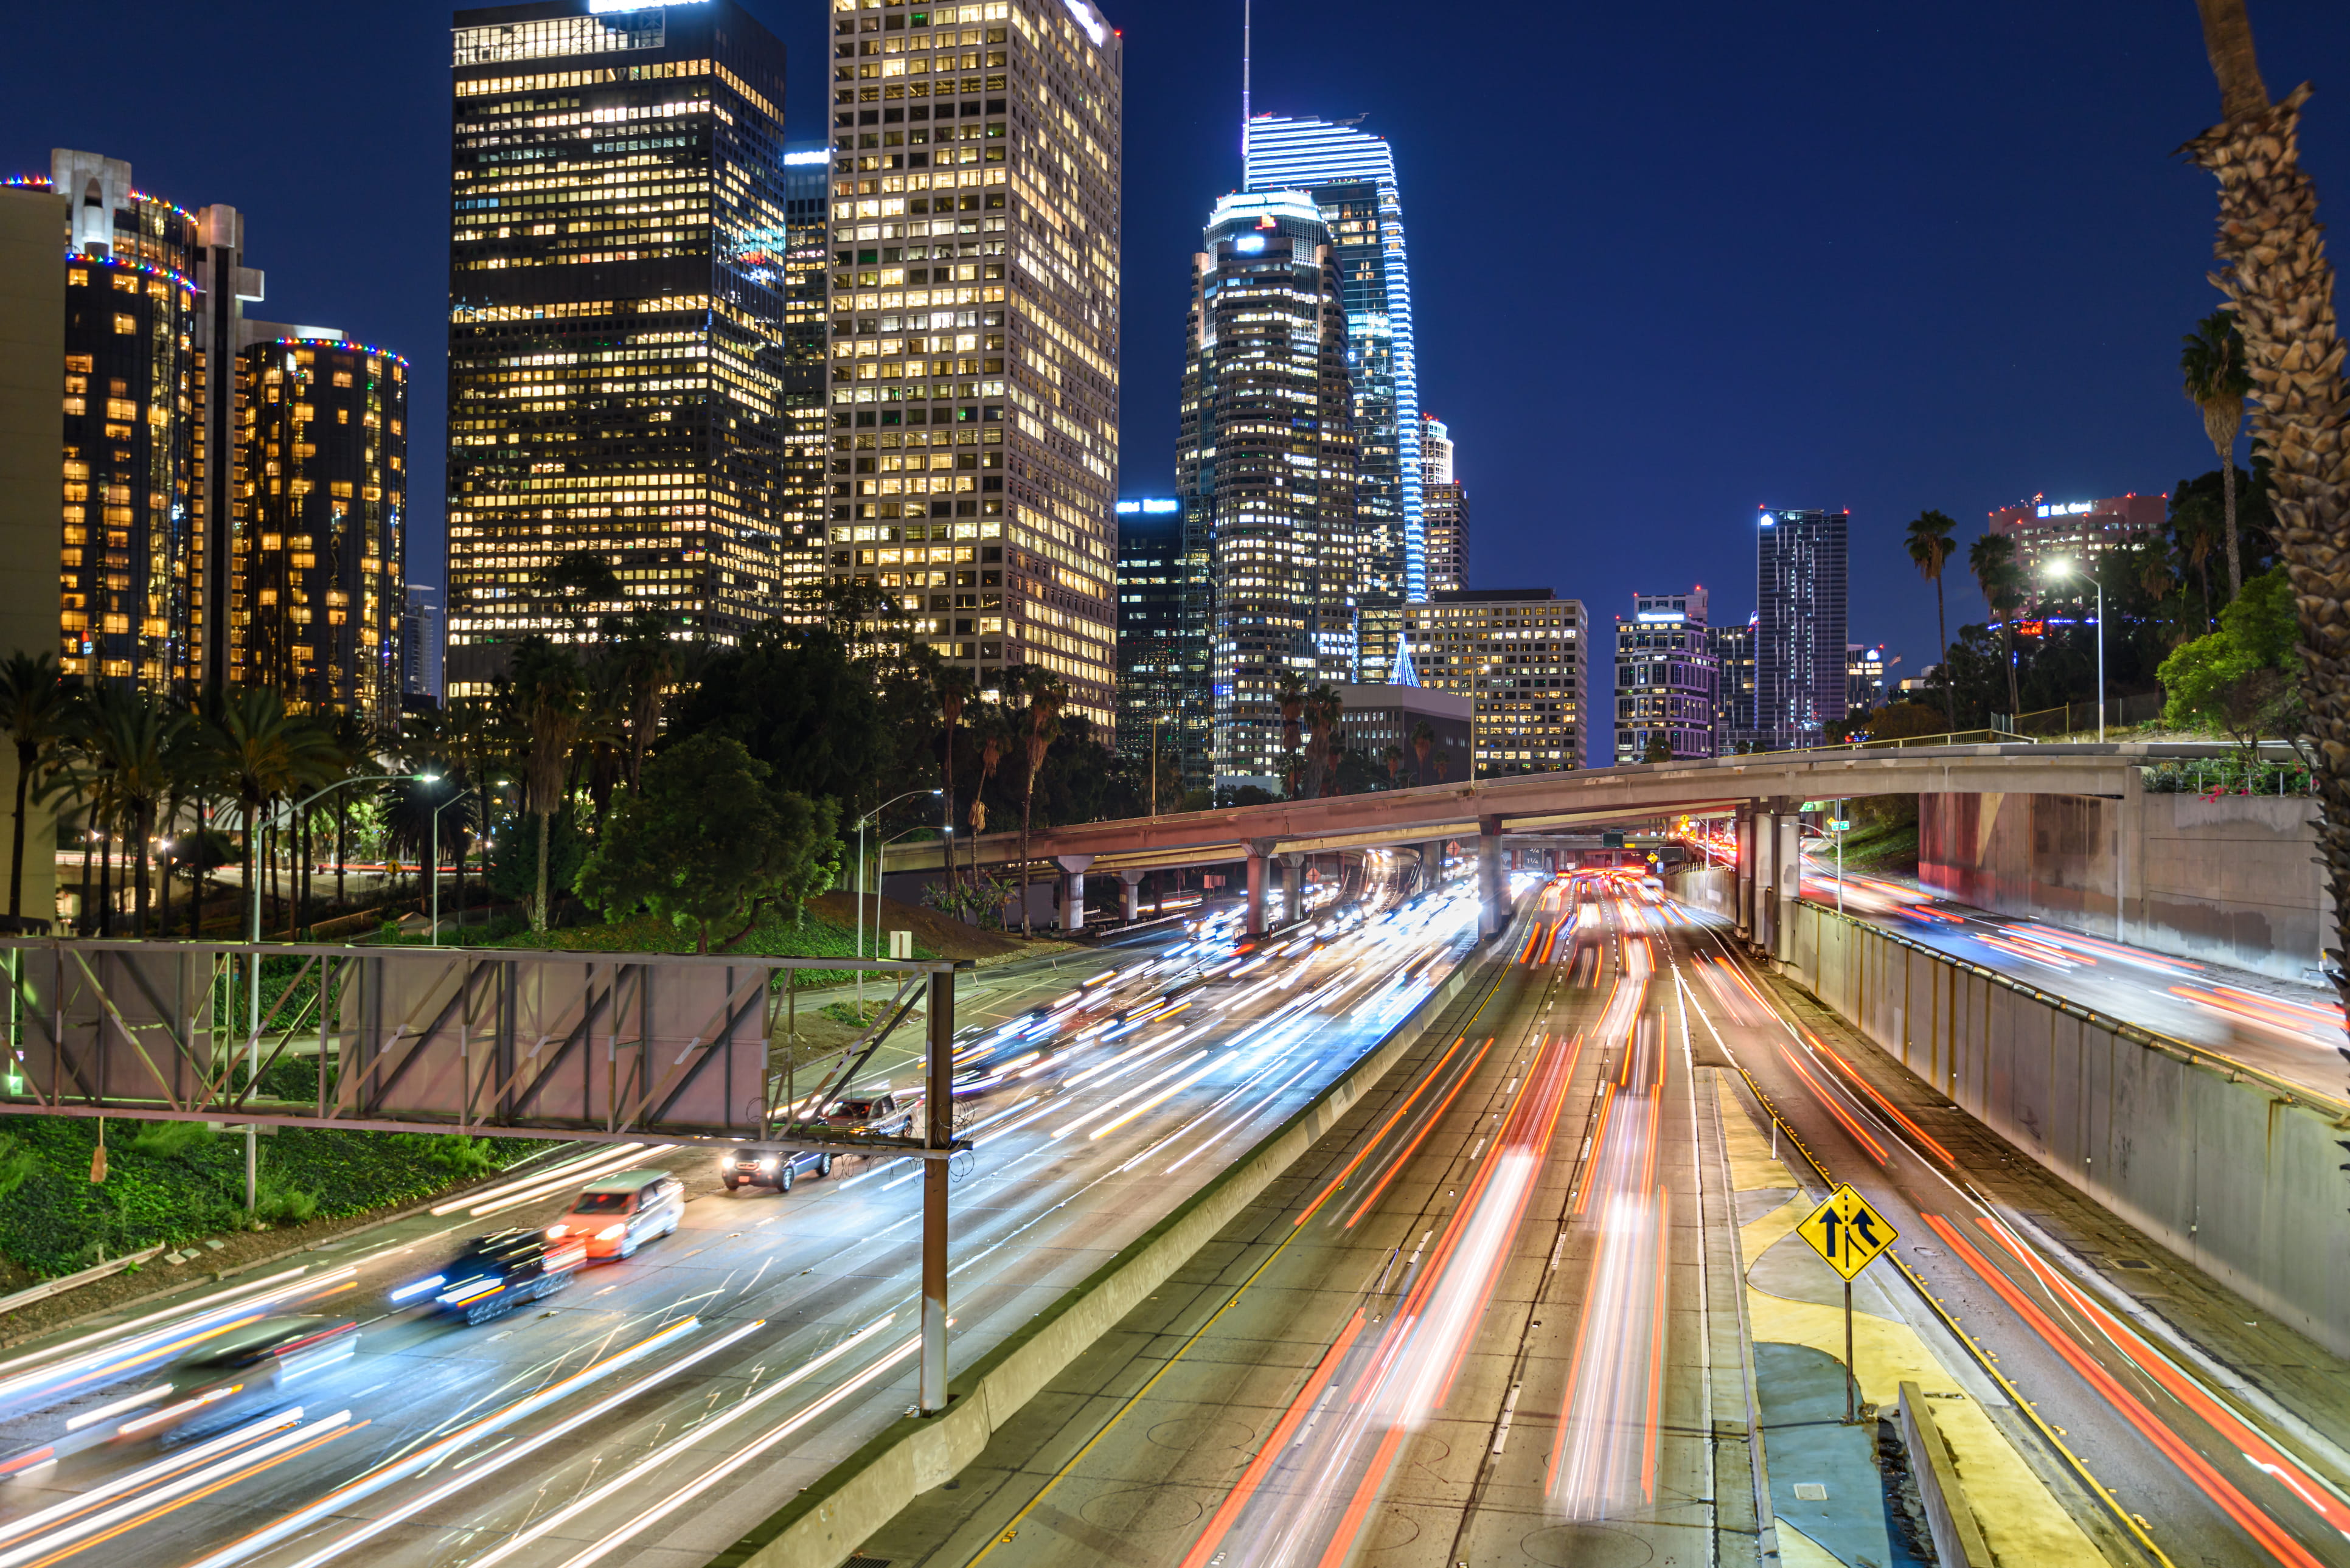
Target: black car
(236, 1372)
(494, 1274)
(755, 1165)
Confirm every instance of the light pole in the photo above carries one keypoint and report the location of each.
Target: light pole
(862, 823)
(436, 860)
(2067, 568)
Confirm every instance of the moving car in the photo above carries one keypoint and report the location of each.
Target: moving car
(236, 1370)
(878, 1114)
(616, 1213)
(495, 1273)
(754, 1165)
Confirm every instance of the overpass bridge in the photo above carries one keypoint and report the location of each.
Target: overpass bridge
(1763, 791)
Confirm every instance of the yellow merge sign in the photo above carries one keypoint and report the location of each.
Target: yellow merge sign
(1846, 1231)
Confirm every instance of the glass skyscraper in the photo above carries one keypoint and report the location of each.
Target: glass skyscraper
(1350, 175)
(1799, 630)
(617, 319)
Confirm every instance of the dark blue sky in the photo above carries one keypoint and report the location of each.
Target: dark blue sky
(1666, 267)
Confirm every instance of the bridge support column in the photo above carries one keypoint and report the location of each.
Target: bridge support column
(1764, 917)
(1492, 885)
(1133, 880)
(1293, 888)
(1073, 890)
(938, 1132)
(1789, 863)
(1742, 903)
(1431, 865)
(1255, 891)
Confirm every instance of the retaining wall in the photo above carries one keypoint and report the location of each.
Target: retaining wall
(2240, 1174)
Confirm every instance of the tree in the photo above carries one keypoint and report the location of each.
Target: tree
(1660, 748)
(1929, 547)
(1290, 692)
(2274, 271)
(574, 585)
(36, 706)
(1991, 559)
(127, 739)
(256, 752)
(2212, 364)
(953, 686)
(2241, 678)
(702, 838)
(550, 704)
(1040, 725)
(1423, 740)
(800, 703)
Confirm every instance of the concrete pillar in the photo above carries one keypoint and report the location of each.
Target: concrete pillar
(1790, 867)
(1492, 885)
(1763, 917)
(1073, 890)
(1133, 880)
(1293, 888)
(1742, 900)
(1255, 891)
(1431, 865)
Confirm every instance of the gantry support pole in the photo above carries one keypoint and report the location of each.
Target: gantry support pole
(938, 1133)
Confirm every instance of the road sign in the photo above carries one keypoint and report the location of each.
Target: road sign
(1840, 824)
(1847, 1232)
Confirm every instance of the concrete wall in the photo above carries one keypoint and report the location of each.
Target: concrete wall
(2233, 880)
(2240, 1177)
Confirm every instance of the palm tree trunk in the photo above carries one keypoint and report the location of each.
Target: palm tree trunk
(106, 886)
(25, 757)
(88, 922)
(1027, 807)
(146, 830)
(2228, 494)
(163, 917)
(538, 911)
(1943, 631)
(948, 796)
(196, 881)
(342, 850)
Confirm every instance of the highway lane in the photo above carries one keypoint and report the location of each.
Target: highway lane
(2294, 1031)
(659, 1407)
(2203, 1436)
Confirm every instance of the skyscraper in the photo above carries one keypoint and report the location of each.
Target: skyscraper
(807, 296)
(1734, 706)
(1350, 175)
(1523, 656)
(1799, 638)
(975, 329)
(1265, 468)
(419, 644)
(1444, 509)
(617, 319)
(1665, 677)
(1155, 660)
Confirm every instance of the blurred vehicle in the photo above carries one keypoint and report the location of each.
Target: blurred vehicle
(879, 1115)
(495, 1273)
(754, 1165)
(616, 1213)
(235, 1371)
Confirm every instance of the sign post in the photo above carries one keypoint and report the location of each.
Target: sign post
(1849, 1235)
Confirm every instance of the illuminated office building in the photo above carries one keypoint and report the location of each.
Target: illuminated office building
(1733, 674)
(1350, 176)
(319, 562)
(1444, 509)
(1522, 655)
(1864, 676)
(1799, 635)
(1665, 677)
(617, 319)
(807, 225)
(1161, 668)
(975, 329)
(420, 647)
(2046, 532)
(1264, 466)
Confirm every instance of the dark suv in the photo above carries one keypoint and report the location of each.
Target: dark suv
(754, 1165)
(495, 1273)
(878, 1114)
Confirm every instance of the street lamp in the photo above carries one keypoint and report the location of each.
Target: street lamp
(436, 860)
(2062, 568)
(862, 823)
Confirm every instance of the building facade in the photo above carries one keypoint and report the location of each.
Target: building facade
(1666, 680)
(419, 645)
(1444, 509)
(1799, 564)
(1408, 720)
(808, 299)
(2045, 531)
(320, 551)
(1264, 467)
(1734, 685)
(1350, 176)
(1161, 672)
(975, 330)
(1521, 656)
(1863, 677)
(617, 320)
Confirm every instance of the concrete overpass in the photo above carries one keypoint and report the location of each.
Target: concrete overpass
(1763, 790)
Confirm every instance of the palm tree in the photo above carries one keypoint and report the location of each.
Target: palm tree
(993, 740)
(1992, 561)
(953, 686)
(2190, 525)
(2275, 273)
(550, 705)
(255, 751)
(1291, 694)
(1929, 547)
(650, 660)
(1045, 697)
(1423, 740)
(130, 739)
(2217, 382)
(36, 706)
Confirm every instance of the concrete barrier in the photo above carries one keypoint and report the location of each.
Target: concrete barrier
(1957, 1536)
(2238, 1171)
(825, 1523)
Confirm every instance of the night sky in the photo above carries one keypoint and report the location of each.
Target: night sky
(1665, 269)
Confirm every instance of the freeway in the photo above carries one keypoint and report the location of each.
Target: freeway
(659, 1405)
(2292, 1030)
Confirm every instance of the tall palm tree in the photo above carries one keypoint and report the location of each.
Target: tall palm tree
(130, 739)
(953, 686)
(36, 706)
(1423, 740)
(1291, 694)
(652, 666)
(550, 703)
(256, 752)
(2191, 525)
(1929, 547)
(1991, 559)
(2275, 273)
(1042, 724)
(2212, 363)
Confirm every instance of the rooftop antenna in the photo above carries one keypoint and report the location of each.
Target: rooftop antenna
(1247, 20)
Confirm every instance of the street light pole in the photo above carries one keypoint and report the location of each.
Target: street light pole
(2066, 568)
(436, 861)
(859, 939)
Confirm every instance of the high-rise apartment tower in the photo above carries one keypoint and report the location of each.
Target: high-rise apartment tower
(1265, 468)
(1350, 176)
(617, 319)
(1444, 509)
(1665, 677)
(973, 411)
(1799, 633)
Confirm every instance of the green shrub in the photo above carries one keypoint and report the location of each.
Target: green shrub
(278, 1201)
(17, 1164)
(170, 1140)
(462, 1158)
